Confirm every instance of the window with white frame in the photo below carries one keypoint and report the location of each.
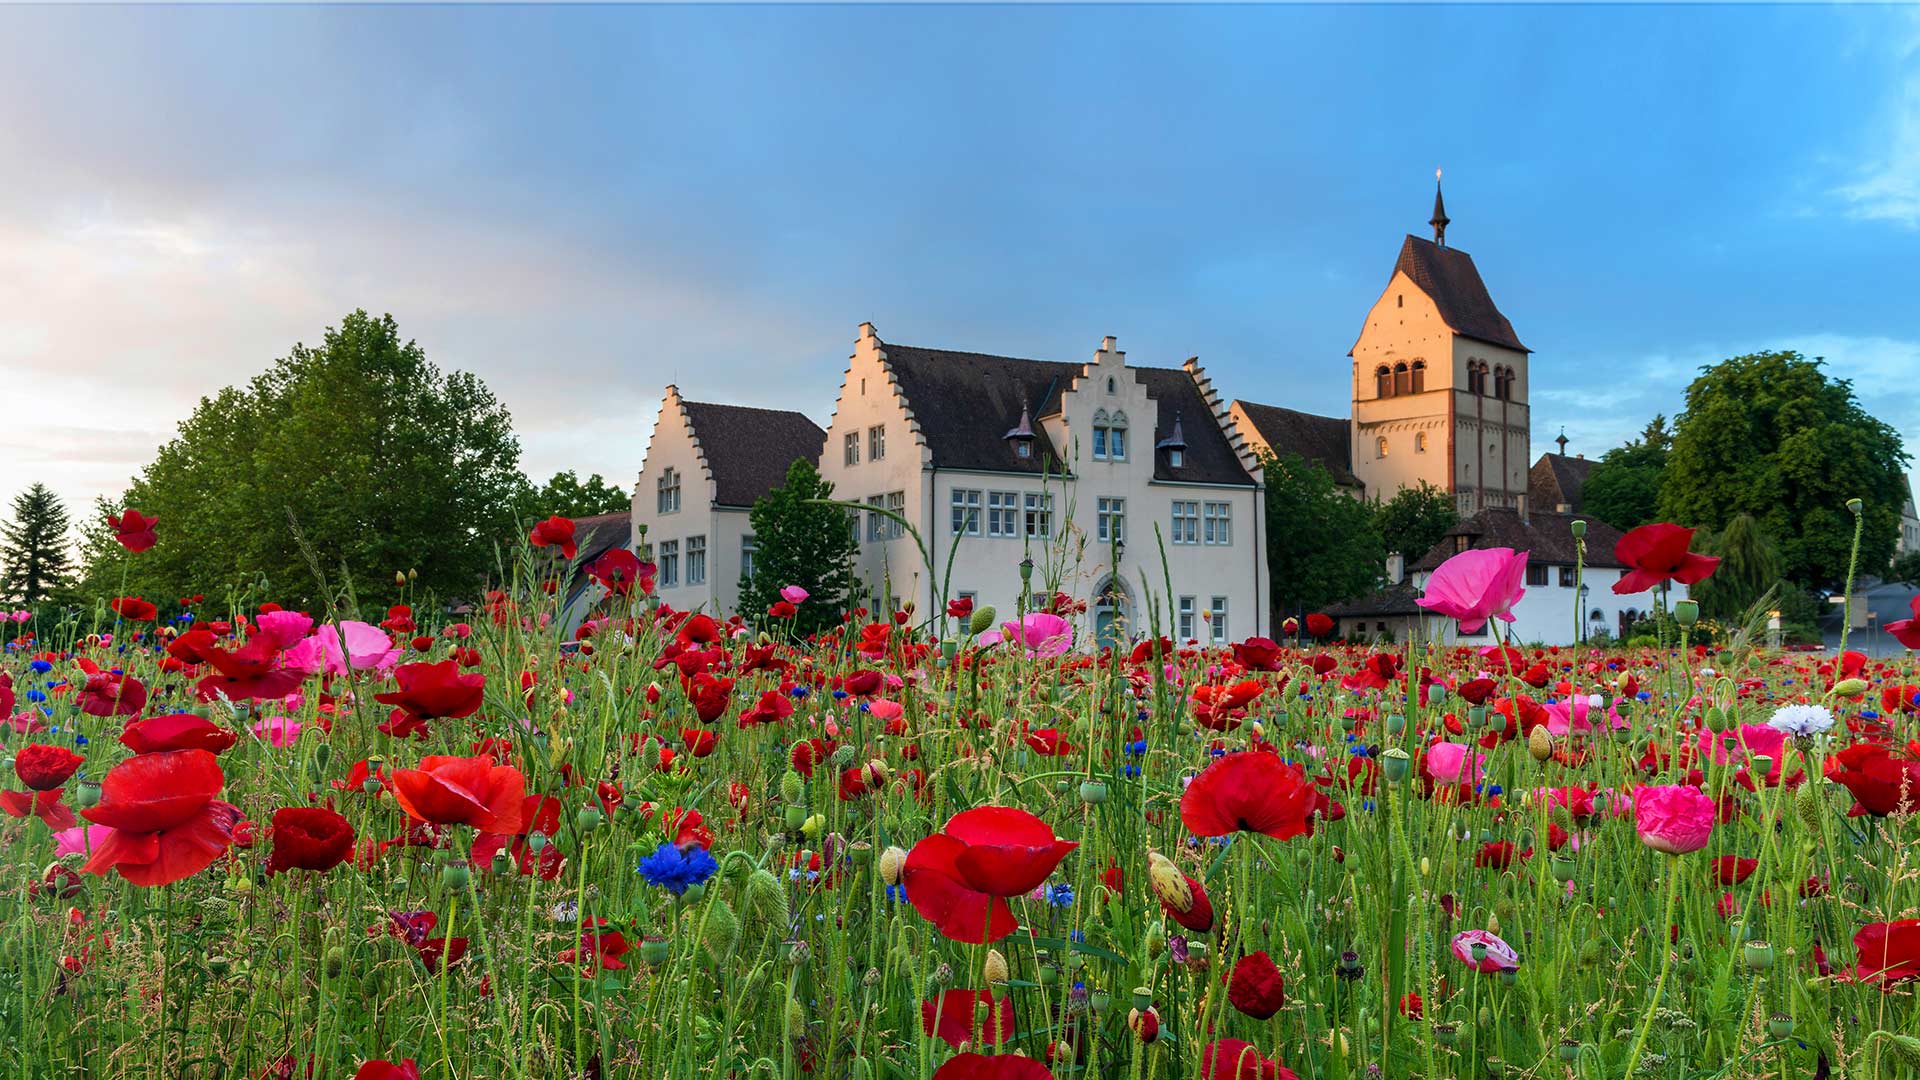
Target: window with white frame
(966, 511)
(1217, 619)
(1217, 523)
(1186, 522)
(1185, 612)
(896, 502)
(1113, 520)
(876, 442)
(668, 492)
(1003, 513)
(876, 523)
(696, 560)
(852, 443)
(669, 563)
(747, 550)
(1109, 436)
(1039, 514)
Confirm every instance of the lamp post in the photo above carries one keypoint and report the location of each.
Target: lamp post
(1581, 632)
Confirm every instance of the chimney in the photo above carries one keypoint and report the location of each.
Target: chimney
(1396, 568)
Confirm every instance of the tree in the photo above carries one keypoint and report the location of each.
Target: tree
(800, 541)
(1322, 545)
(1906, 568)
(1749, 566)
(1771, 435)
(1415, 519)
(34, 560)
(385, 462)
(1623, 489)
(567, 495)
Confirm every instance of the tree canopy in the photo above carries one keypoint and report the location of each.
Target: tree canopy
(386, 462)
(1623, 488)
(799, 541)
(569, 496)
(1415, 519)
(1322, 544)
(34, 561)
(1773, 436)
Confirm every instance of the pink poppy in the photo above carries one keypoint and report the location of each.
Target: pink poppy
(1499, 955)
(277, 731)
(1453, 763)
(1041, 634)
(1477, 585)
(1673, 818)
(794, 594)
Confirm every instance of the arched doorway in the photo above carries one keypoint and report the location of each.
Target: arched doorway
(1112, 612)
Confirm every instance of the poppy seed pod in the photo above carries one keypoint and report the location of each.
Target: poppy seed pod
(1395, 764)
(1855, 506)
(1686, 612)
(1579, 529)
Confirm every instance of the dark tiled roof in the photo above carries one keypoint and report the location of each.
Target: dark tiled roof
(1392, 600)
(965, 402)
(748, 451)
(1547, 538)
(1556, 479)
(1321, 439)
(601, 533)
(1450, 278)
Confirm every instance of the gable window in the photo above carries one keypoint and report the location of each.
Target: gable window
(1003, 513)
(669, 563)
(1218, 523)
(1217, 619)
(876, 442)
(1536, 574)
(1109, 436)
(1099, 439)
(747, 549)
(1109, 384)
(1186, 522)
(1113, 520)
(1039, 518)
(966, 511)
(1185, 626)
(668, 500)
(696, 560)
(853, 448)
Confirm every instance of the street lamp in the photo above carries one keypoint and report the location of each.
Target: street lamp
(1580, 620)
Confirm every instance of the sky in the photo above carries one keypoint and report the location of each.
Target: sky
(584, 204)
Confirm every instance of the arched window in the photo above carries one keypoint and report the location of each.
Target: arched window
(1402, 379)
(1383, 381)
(1419, 376)
(1380, 446)
(1419, 442)
(1109, 384)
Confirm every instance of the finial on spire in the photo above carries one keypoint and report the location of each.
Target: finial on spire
(1562, 440)
(1439, 220)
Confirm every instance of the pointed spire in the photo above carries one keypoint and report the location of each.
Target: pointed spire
(1024, 429)
(1439, 220)
(1562, 440)
(1176, 439)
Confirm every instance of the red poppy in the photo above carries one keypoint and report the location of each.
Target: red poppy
(45, 805)
(539, 814)
(1050, 742)
(1477, 691)
(772, 708)
(1319, 625)
(699, 741)
(382, 1069)
(1886, 952)
(1233, 1059)
(45, 768)
(177, 731)
(1255, 986)
(1732, 869)
(133, 529)
(1881, 783)
(462, 791)
(134, 608)
(309, 838)
(1898, 699)
(109, 694)
(1258, 654)
(958, 879)
(1657, 554)
(599, 949)
(864, 683)
(952, 1016)
(1199, 914)
(996, 1067)
(555, 531)
(960, 609)
(1249, 791)
(435, 691)
(166, 823)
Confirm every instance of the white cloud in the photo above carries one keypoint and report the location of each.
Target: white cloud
(1888, 188)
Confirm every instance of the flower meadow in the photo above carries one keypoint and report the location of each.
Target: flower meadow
(243, 840)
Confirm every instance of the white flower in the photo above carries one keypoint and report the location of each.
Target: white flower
(1801, 720)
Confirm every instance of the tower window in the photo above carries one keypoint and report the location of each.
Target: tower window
(1419, 376)
(1402, 379)
(1383, 381)
(1419, 442)
(1380, 446)
(1400, 300)
(1109, 384)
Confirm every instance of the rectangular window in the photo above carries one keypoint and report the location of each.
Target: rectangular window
(1218, 619)
(853, 525)
(1003, 513)
(1566, 577)
(1186, 618)
(668, 499)
(669, 563)
(1186, 522)
(747, 549)
(1536, 575)
(696, 560)
(1100, 443)
(876, 523)
(853, 447)
(1039, 519)
(969, 596)
(1117, 444)
(1219, 523)
(1113, 520)
(876, 442)
(896, 502)
(966, 511)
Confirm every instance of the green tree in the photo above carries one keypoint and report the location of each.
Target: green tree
(569, 496)
(34, 560)
(1749, 566)
(386, 463)
(1772, 435)
(800, 541)
(1905, 568)
(1623, 489)
(1322, 544)
(1415, 519)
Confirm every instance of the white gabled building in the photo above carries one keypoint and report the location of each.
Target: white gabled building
(705, 467)
(997, 459)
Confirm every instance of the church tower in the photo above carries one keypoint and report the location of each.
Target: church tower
(1440, 382)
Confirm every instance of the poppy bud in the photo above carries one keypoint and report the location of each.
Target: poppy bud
(502, 862)
(812, 827)
(1168, 883)
(1145, 1023)
(654, 949)
(455, 876)
(983, 617)
(336, 961)
(1156, 942)
(87, 795)
(994, 970)
(399, 579)
(1540, 743)
(1850, 688)
(1779, 1025)
(1395, 764)
(1716, 719)
(792, 787)
(1396, 723)
(892, 861)
(941, 976)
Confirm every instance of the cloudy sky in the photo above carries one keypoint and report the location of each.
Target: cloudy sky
(584, 204)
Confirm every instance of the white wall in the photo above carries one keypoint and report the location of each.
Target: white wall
(673, 446)
(1546, 613)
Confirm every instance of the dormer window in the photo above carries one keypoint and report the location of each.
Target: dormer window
(1020, 435)
(1023, 450)
(1176, 458)
(1174, 445)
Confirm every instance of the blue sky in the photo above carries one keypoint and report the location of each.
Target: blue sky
(583, 204)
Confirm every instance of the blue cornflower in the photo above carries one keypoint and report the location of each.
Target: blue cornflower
(1079, 936)
(677, 869)
(1060, 895)
(897, 893)
(799, 691)
(839, 695)
(35, 695)
(1137, 748)
(41, 667)
(1130, 771)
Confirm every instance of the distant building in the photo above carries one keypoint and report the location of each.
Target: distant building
(1909, 520)
(594, 537)
(705, 467)
(1555, 482)
(997, 459)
